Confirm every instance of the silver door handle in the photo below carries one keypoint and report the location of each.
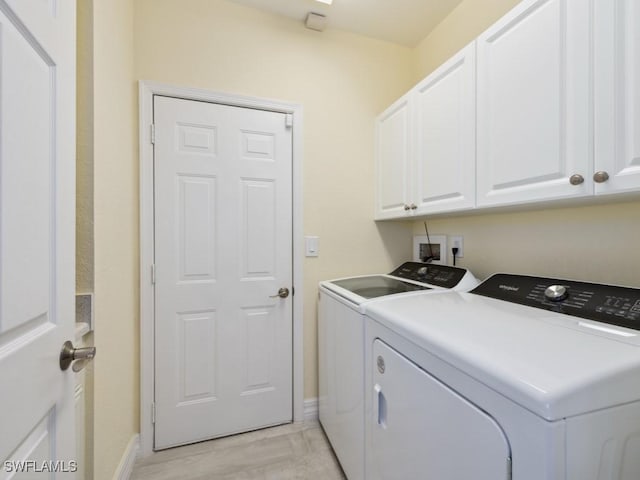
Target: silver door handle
(69, 354)
(282, 293)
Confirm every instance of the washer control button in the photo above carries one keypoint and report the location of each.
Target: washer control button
(556, 293)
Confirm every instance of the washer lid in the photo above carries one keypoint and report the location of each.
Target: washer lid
(552, 364)
(357, 291)
(410, 277)
(374, 286)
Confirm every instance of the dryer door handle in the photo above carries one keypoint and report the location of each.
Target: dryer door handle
(380, 407)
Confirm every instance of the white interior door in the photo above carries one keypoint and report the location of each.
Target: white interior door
(223, 243)
(37, 235)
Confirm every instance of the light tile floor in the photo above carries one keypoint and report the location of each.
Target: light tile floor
(287, 452)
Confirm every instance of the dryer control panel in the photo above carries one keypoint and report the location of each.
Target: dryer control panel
(439, 275)
(602, 303)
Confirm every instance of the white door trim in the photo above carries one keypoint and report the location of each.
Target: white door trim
(146, 91)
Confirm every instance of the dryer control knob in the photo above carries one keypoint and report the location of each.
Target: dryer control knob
(556, 293)
(422, 272)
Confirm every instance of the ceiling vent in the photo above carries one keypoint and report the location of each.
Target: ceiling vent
(316, 21)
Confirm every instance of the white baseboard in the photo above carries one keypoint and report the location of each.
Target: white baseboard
(125, 468)
(311, 409)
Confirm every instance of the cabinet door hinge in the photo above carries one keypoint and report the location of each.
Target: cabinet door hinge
(153, 412)
(153, 274)
(153, 134)
(509, 468)
(288, 120)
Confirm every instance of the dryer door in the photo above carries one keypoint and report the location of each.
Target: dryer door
(422, 429)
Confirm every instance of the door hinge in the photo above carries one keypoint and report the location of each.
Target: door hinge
(509, 468)
(153, 274)
(153, 412)
(153, 134)
(288, 120)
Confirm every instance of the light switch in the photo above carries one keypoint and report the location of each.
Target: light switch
(311, 246)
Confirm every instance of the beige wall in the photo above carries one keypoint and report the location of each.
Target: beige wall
(342, 81)
(84, 205)
(116, 235)
(596, 243)
(84, 148)
(468, 20)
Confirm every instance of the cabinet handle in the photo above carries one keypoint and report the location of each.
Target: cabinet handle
(576, 179)
(600, 177)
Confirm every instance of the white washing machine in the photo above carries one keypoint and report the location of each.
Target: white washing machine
(341, 346)
(524, 377)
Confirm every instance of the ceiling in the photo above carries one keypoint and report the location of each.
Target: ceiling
(404, 22)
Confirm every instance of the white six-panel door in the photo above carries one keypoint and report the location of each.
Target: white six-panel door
(37, 234)
(223, 242)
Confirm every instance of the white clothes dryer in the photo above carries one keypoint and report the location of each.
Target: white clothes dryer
(524, 377)
(341, 346)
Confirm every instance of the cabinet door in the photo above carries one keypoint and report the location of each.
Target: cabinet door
(393, 153)
(445, 134)
(534, 104)
(617, 95)
(421, 429)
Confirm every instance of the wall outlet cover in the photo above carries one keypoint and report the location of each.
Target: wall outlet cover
(457, 241)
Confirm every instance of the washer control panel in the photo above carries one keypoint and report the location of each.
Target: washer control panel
(602, 303)
(439, 275)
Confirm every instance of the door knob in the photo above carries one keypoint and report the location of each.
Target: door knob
(68, 354)
(282, 293)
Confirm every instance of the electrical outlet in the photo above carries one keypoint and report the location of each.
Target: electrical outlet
(458, 242)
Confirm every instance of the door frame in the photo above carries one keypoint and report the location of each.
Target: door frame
(147, 90)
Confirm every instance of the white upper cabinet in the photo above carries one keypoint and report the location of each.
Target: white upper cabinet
(617, 96)
(426, 144)
(543, 106)
(443, 177)
(393, 153)
(534, 104)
